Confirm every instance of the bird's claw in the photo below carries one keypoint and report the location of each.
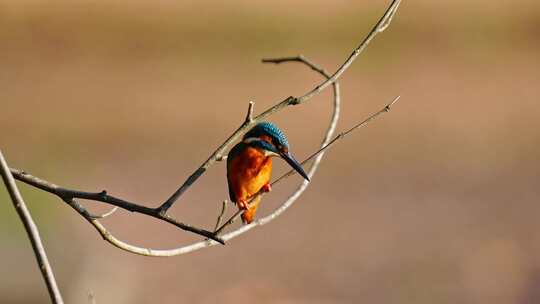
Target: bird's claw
(243, 205)
(267, 188)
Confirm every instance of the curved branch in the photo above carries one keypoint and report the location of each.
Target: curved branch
(32, 231)
(105, 234)
(379, 27)
(104, 215)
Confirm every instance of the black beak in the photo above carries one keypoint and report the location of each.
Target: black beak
(294, 163)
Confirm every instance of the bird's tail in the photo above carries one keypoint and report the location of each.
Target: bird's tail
(249, 215)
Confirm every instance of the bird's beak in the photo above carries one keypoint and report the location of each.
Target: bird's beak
(294, 163)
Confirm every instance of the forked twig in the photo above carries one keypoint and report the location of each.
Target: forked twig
(67, 195)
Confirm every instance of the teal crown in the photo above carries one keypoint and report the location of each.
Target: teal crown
(270, 130)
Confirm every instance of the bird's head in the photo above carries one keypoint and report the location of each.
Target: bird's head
(270, 139)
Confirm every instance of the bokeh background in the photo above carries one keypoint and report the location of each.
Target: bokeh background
(435, 202)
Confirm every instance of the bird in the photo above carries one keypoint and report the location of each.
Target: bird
(249, 166)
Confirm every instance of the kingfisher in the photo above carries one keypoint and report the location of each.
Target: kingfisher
(249, 166)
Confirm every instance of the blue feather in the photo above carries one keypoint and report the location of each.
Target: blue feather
(271, 130)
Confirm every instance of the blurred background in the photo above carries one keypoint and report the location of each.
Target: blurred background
(435, 202)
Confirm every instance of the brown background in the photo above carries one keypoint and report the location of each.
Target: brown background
(437, 202)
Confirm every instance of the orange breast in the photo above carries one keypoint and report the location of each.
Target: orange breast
(248, 172)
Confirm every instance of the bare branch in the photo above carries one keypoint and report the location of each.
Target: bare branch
(105, 234)
(301, 59)
(32, 231)
(235, 216)
(381, 25)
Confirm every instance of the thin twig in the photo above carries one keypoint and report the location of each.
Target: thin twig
(104, 215)
(220, 216)
(32, 231)
(341, 135)
(379, 27)
(299, 58)
(234, 217)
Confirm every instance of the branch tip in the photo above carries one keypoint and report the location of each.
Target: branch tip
(388, 106)
(387, 19)
(249, 115)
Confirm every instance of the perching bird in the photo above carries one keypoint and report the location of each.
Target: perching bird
(249, 165)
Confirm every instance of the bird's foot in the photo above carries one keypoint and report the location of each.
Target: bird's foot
(266, 188)
(243, 205)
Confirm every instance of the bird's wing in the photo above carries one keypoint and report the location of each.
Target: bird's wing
(232, 154)
(231, 194)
